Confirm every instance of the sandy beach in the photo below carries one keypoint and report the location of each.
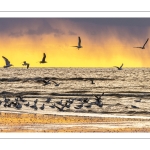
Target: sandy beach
(121, 90)
(12, 122)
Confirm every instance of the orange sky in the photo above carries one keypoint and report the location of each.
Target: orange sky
(102, 47)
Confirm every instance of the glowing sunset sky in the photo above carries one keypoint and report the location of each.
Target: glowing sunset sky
(106, 42)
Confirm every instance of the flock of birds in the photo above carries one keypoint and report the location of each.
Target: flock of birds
(8, 64)
(19, 101)
(59, 105)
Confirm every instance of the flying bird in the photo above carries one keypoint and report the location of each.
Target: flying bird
(98, 99)
(119, 68)
(143, 47)
(43, 59)
(26, 64)
(56, 84)
(7, 62)
(79, 44)
(46, 82)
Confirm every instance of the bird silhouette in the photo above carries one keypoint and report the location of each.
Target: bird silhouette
(98, 99)
(52, 106)
(18, 105)
(143, 47)
(56, 84)
(21, 98)
(92, 81)
(46, 82)
(59, 102)
(134, 106)
(119, 68)
(42, 107)
(26, 64)
(43, 59)
(35, 102)
(27, 104)
(48, 100)
(34, 106)
(79, 44)
(7, 62)
(67, 104)
(60, 108)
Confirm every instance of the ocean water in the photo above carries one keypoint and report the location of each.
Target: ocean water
(121, 88)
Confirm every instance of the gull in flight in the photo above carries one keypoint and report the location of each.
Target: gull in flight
(119, 68)
(43, 59)
(143, 47)
(56, 84)
(46, 82)
(7, 62)
(26, 64)
(98, 99)
(79, 43)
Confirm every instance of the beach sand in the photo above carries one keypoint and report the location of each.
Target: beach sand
(14, 122)
(121, 89)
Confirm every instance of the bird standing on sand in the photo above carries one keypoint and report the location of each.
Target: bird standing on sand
(42, 107)
(7, 62)
(48, 100)
(21, 98)
(27, 104)
(43, 59)
(79, 44)
(59, 102)
(119, 68)
(52, 106)
(18, 105)
(60, 108)
(35, 102)
(134, 106)
(143, 47)
(26, 64)
(92, 81)
(34, 106)
(6, 100)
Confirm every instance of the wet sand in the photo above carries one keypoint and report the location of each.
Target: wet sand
(14, 122)
(121, 89)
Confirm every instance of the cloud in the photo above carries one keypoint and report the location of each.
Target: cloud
(17, 27)
(44, 28)
(72, 33)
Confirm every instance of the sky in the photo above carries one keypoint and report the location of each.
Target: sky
(106, 42)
